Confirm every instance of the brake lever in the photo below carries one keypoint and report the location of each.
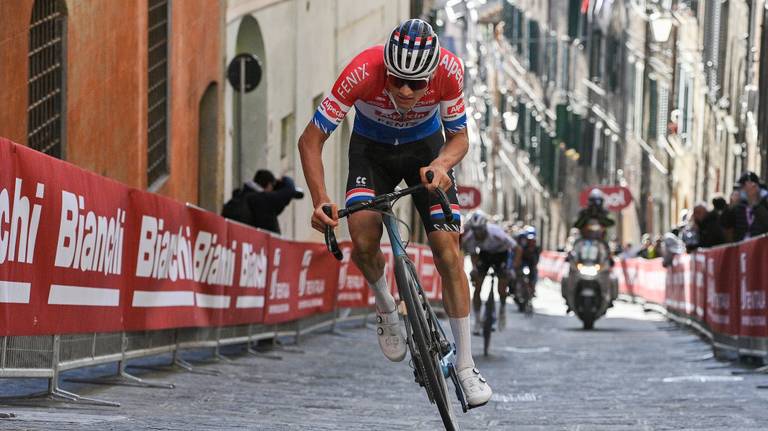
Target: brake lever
(442, 197)
(330, 236)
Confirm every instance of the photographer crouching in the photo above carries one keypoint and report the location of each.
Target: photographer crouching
(259, 201)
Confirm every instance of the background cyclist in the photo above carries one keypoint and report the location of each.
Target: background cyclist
(406, 94)
(489, 246)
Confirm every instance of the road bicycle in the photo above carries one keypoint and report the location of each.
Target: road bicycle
(432, 355)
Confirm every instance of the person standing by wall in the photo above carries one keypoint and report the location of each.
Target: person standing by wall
(259, 201)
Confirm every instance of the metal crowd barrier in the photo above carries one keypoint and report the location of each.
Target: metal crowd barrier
(46, 357)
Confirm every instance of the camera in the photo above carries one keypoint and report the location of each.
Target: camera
(299, 193)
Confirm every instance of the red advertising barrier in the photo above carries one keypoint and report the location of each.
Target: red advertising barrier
(724, 288)
(552, 265)
(81, 253)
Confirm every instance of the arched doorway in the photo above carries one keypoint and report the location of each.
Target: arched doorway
(250, 152)
(208, 150)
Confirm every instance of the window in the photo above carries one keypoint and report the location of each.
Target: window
(45, 113)
(287, 136)
(574, 11)
(596, 57)
(715, 34)
(638, 99)
(534, 47)
(157, 90)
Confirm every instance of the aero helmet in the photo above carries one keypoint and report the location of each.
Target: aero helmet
(412, 50)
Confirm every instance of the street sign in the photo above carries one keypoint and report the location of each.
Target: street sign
(469, 197)
(616, 197)
(244, 70)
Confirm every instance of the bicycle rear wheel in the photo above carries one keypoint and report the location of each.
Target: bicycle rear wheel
(488, 323)
(490, 311)
(425, 352)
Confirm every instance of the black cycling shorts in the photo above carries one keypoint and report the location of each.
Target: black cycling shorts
(498, 261)
(376, 168)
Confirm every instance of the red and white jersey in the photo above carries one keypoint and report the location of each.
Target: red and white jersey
(362, 84)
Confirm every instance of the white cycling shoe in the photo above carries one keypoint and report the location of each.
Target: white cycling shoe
(391, 338)
(475, 387)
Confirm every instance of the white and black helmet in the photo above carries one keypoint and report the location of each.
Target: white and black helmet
(412, 50)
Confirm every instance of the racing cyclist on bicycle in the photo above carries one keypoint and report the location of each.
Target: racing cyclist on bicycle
(405, 94)
(529, 253)
(489, 246)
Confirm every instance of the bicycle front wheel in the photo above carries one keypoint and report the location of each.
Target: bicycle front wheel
(426, 352)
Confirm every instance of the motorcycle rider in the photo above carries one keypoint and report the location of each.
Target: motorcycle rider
(488, 246)
(594, 210)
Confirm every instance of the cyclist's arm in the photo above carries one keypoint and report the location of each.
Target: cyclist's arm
(311, 149)
(311, 145)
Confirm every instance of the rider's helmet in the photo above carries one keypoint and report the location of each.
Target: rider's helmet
(596, 198)
(530, 232)
(478, 219)
(412, 50)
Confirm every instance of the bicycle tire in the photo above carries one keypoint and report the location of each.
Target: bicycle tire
(488, 324)
(428, 361)
(490, 310)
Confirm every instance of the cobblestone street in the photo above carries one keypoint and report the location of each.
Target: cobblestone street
(634, 372)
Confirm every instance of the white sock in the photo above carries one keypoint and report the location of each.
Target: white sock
(460, 330)
(385, 302)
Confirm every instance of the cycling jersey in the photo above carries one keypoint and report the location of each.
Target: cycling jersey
(362, 84)
(496, 241)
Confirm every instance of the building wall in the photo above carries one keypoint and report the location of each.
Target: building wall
(106, 85)
(307, 43)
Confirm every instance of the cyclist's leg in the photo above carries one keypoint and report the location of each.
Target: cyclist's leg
(367, 177)
(444, 240)
(482, 271)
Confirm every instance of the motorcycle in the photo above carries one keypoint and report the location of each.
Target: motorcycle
(590, 287)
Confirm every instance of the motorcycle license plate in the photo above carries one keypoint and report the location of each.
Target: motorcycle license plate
(588, 292)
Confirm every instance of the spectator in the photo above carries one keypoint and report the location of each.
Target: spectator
(749, 217)
(258, 202)
(648, 250)
(707, 226)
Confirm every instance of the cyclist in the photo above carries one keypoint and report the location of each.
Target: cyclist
(529, 253)
(405, 94)
(488, 246)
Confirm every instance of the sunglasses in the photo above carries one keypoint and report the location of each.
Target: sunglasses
(413, 84)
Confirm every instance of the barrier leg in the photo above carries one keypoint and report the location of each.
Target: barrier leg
(123, 378)
(178, 363)
(261, 354)
(761, 370)
(58, 394)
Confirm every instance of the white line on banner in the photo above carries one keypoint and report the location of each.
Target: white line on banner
(62, 294)
(212, 301)
(250, 301)
(312, 302)
(14, 292)
(177, 298)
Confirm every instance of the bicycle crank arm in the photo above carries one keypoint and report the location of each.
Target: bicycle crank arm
(457, 386)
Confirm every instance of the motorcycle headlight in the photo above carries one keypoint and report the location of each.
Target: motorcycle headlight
(588, 270)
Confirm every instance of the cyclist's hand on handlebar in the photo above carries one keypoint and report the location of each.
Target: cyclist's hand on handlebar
(441, 178)
(320, 220)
